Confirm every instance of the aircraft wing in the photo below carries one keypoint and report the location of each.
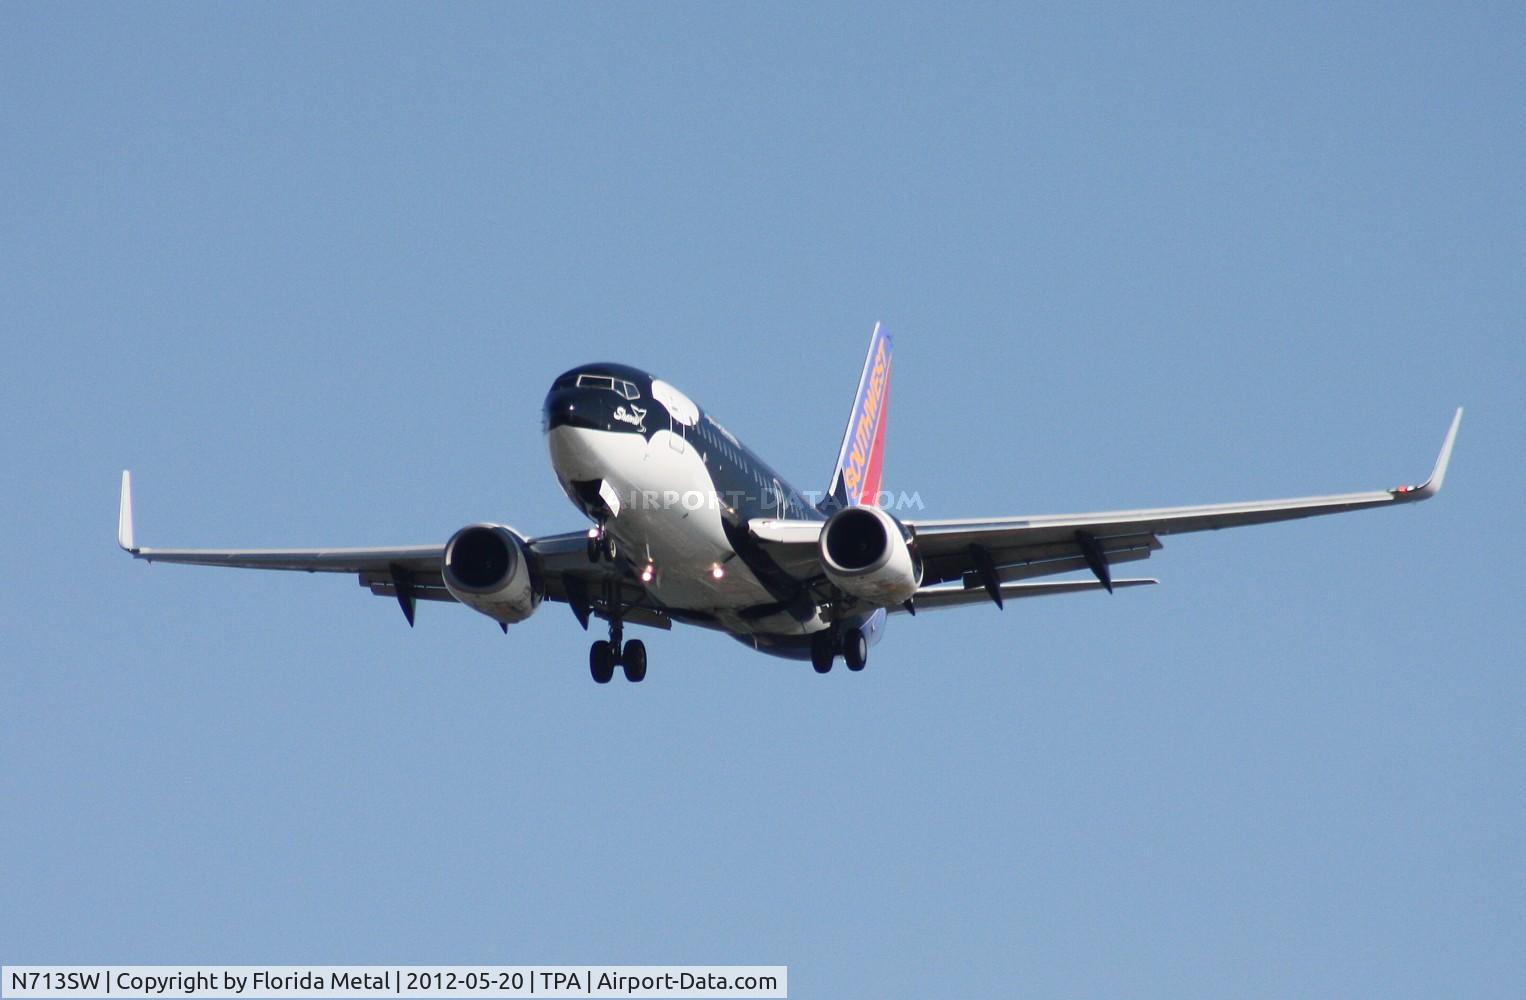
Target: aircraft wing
(990, 554)
(413, 572)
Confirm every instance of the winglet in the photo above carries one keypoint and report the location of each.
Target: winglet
(1432, 486)
(124, 516)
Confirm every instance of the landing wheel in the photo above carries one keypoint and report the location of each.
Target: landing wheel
(855, 650)
(601, 545)
(633, 659)
(601, 662)
(822, 651)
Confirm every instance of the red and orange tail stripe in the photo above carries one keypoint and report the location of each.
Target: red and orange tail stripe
(861, 461)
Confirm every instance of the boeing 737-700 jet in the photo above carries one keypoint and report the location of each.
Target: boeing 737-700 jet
(689, 526)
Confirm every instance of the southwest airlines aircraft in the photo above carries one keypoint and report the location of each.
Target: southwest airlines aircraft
(690, 526)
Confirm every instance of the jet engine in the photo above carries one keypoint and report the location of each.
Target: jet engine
(489, 568)
(867, 554)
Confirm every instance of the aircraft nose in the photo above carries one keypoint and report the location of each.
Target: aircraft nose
(573, 406)
(559, 408)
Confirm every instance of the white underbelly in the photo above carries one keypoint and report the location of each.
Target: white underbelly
(669, 515)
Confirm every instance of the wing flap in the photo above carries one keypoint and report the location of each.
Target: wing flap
(1054, 567)
(421, 593)
(954, 595)
(1015, 557)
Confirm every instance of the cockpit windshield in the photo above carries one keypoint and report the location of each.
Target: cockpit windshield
(619, 385)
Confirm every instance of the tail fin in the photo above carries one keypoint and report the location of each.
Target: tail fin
(861, 460)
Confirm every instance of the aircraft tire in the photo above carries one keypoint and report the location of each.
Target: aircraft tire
(855, 650)
(822, 652)
(633, 660)
(601, 662)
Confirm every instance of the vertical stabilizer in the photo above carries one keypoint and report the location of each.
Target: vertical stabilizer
(861, 459)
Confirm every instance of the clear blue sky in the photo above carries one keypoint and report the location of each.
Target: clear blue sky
(308, 271)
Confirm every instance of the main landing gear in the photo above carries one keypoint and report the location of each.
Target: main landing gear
(825, 645)
(606, 654)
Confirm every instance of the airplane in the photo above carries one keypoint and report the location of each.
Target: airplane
(689, 526)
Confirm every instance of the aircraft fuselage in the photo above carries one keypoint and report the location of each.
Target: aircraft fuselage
(676, 491)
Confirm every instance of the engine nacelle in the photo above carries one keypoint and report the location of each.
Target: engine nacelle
(867, 555)
(491, 569)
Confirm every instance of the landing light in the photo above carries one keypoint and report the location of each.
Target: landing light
(647, 573)
(717, 572)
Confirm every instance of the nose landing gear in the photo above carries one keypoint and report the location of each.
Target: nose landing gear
(601, 544)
